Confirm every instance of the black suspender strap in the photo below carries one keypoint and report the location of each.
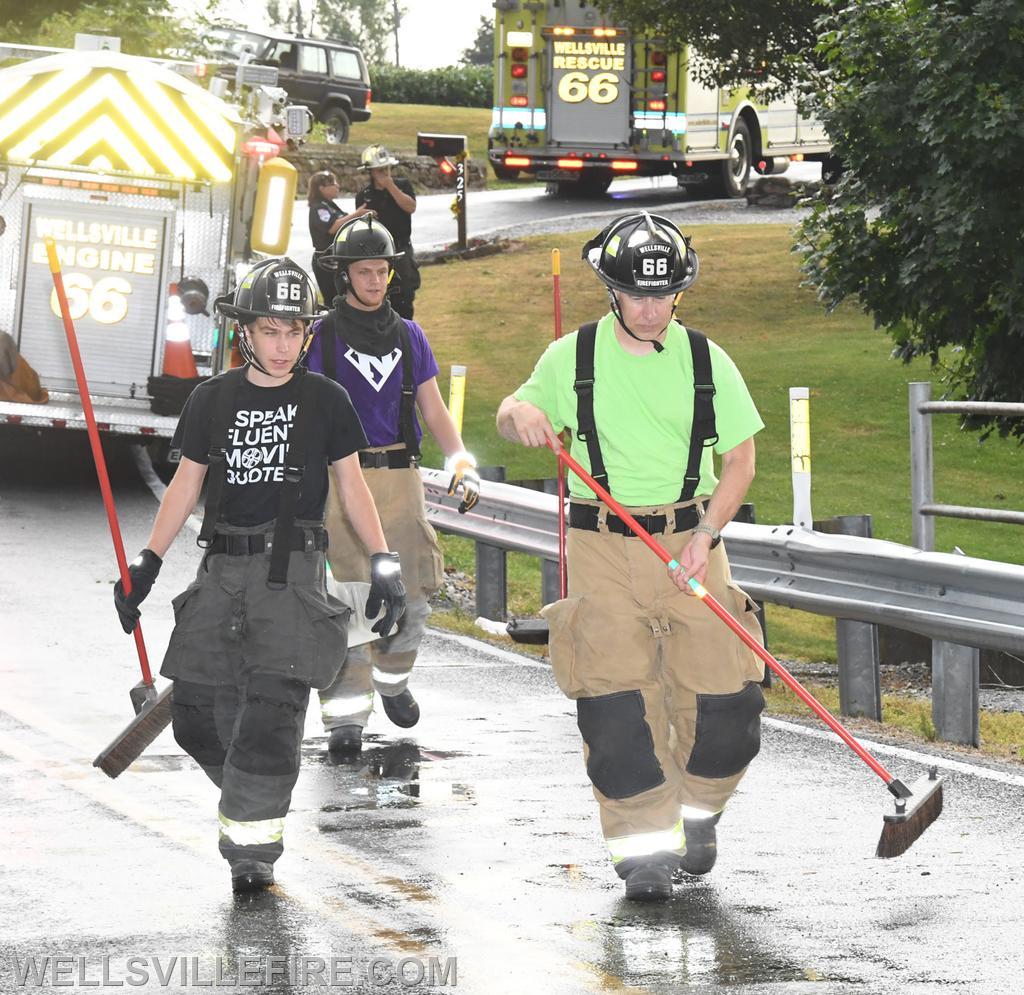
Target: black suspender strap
(407, 408)
(586, 428)
(294, 469)
(329, 333)
(703, 431)
(217, 474)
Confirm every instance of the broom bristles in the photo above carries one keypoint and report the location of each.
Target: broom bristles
(138, 734)
(922, 808)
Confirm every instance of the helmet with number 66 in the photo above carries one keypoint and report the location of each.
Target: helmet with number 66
(644, 255)
(273, 288)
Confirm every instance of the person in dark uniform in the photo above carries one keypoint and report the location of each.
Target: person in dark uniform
(325, 218)
(393, 202)
(257, 628)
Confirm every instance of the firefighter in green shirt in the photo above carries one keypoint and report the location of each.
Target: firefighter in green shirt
(668, 700)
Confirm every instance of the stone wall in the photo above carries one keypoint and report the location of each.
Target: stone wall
(343, 160)
(780, 191)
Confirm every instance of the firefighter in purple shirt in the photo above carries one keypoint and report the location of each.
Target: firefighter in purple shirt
(386, 365)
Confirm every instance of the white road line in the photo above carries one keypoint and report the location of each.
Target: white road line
(928, 759)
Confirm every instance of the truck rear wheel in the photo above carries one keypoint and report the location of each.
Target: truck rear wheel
(734, 172)
(336, 126)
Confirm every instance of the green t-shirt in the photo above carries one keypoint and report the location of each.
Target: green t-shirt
(643, 408)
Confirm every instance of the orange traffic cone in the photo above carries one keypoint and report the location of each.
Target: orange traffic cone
(178, 358)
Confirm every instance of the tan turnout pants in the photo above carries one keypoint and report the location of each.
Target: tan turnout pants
(667, 697)
(386, 664)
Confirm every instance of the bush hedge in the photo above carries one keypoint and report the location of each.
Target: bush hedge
(450, 86)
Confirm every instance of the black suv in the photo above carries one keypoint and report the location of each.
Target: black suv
(327, 77)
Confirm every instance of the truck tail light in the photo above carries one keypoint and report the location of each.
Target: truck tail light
(657, 75)
(658, 59)
(518, 161)
(655, 105)
(519, 70)
(625, 165)
(518, 101)
(570, 163)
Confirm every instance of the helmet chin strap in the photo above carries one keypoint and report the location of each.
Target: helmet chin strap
(658, 347)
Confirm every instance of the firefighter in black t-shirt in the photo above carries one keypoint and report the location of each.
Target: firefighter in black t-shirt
(257, 628)
(325, 218)
(394, 203)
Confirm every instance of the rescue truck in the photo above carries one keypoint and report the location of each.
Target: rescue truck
(156, 192)
(579, 101)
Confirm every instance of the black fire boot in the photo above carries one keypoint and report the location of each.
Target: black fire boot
(402, 709)
(345, 744)
(648, 878)
(701, 845)
(251, 875)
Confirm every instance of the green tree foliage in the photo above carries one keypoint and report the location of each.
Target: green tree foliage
(922, 100)
(762, 43)
(146, 27)
(450, 86)
(367, 24)
(481, 52)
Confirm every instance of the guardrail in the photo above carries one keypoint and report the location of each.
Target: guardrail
(961, 602)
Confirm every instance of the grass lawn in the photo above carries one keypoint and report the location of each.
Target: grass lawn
(495, 316)
(396, 125)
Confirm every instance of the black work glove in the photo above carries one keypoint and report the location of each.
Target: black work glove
(386, 588)
(143, 572)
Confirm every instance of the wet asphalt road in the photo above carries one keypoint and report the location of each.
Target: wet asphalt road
(486, 850)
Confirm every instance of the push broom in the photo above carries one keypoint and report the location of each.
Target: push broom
(153, 710)
(917, 807)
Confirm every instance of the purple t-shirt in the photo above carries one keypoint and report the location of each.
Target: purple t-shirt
(374, 383)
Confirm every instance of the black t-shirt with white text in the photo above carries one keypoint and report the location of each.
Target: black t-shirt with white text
(257, 444)
(390, 215)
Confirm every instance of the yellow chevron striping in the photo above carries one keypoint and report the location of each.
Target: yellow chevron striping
(119, 114)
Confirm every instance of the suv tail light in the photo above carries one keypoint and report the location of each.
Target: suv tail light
(369, 97)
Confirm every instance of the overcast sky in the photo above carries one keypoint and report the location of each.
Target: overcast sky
(433, 32)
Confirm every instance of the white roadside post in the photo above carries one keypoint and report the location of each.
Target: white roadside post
(800, 455)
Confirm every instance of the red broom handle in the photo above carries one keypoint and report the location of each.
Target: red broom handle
(787, 678)
(97, 449)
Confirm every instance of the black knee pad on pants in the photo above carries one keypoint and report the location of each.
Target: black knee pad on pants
(194, 724)
(728, 732)
(621, 760)
(270, 732)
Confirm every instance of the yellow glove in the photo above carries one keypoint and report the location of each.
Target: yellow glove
(463, 470)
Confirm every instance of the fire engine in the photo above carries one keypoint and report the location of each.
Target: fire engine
(579, 101)
(155, 192)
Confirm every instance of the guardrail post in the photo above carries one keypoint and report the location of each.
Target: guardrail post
(955, 679)
(550, 584)
(857, 654)
(921, 481)
(491, 575)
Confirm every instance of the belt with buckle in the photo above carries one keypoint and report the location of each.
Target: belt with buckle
(585, 516)
(388, 459)
(251, 544)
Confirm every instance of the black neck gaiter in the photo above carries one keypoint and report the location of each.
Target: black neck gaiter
(375, 333)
